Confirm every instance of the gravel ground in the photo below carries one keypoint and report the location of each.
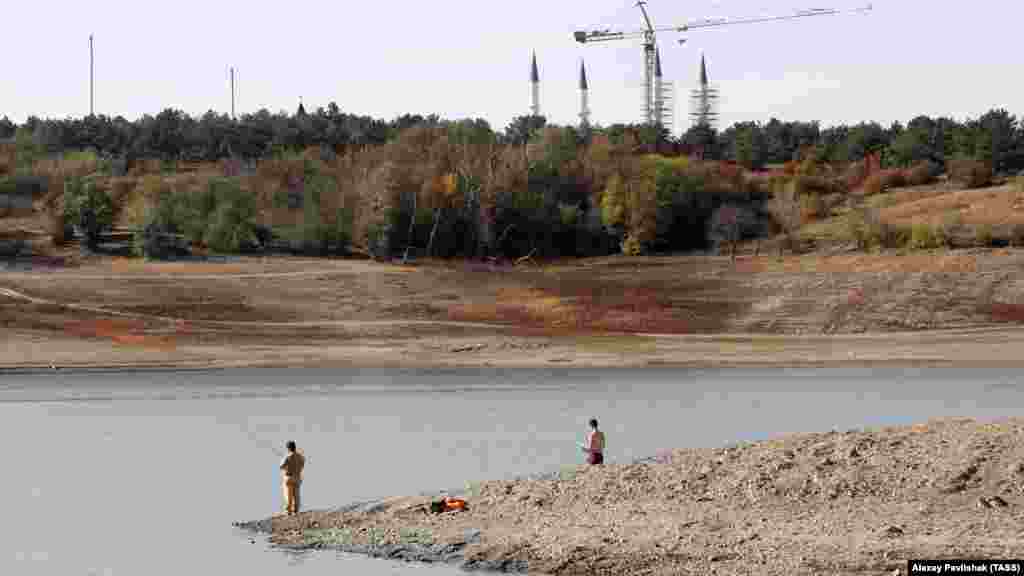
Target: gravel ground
(855, 502)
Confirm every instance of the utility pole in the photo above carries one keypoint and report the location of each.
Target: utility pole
(90, 77)
(232, 92)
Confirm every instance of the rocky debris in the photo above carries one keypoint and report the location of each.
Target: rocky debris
(468, 348)
(992, 502)
(769, 507)
(893, 531)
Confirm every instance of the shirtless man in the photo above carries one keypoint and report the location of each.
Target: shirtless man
(595, 444)
(291, 472)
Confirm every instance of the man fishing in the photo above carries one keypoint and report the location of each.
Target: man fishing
(595, 444)
(291, 471)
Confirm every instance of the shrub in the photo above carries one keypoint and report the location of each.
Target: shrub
(872, 185)
(923, 237)
(813, 207)
(231, 224)
(758, 186)
(868, 230)
(894, 236)
(318, 237)
(155, 233)
(951, 223)
(156, 241)
(88, 207)
(942, 239)
(613, 203)
(378, 235)
(631, 246)
(784, 207)
(219, 215)
(813, 185)
(855, 175)
(970, 173)
(894, 178)
(923, 173)
(1017, 235)
(983, 235)
(569, 214)
(856, 229)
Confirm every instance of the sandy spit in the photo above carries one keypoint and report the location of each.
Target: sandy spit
(847, 503)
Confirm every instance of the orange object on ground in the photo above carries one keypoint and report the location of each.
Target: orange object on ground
(454, 504)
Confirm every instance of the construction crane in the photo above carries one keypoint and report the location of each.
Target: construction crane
(654, 108)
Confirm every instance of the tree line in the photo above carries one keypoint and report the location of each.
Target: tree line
(322, 181)
(996, 137)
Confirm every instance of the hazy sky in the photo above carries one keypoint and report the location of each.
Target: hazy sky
(461, 58)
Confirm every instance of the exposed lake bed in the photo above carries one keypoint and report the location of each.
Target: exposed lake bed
(849, 502)
(372, 434)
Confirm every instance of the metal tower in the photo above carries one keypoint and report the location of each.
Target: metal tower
(649, 108)
(651, 93)
(704, 100)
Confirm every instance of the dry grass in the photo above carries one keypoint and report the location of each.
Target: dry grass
(1000, 208)
(576, 309)
(121, 331)
(992, 206)
(905, 195)
(78, 165)
(132, 265)
(870, 263)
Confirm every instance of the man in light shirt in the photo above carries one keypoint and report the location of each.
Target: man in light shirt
(595, 444)
(291, 471)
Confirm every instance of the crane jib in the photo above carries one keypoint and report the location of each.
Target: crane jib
(599, 35)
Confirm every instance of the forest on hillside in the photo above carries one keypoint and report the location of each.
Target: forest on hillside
(322, 182)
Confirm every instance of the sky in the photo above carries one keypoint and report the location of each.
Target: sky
(470, 59)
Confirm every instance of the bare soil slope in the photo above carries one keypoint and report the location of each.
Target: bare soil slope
(59, 305)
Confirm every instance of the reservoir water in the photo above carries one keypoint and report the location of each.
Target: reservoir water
(143, 473)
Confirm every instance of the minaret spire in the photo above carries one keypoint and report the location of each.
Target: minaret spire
(534, 87)
(584, 96)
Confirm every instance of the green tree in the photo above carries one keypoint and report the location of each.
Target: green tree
(88, 207)
(522, 128)
(998, 141)
(748, 146)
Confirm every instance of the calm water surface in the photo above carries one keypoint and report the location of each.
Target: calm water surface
(143, 473)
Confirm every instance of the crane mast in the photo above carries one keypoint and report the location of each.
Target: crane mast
(650, 111)
(653, 107)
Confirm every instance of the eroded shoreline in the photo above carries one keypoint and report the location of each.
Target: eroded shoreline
(500, 347)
